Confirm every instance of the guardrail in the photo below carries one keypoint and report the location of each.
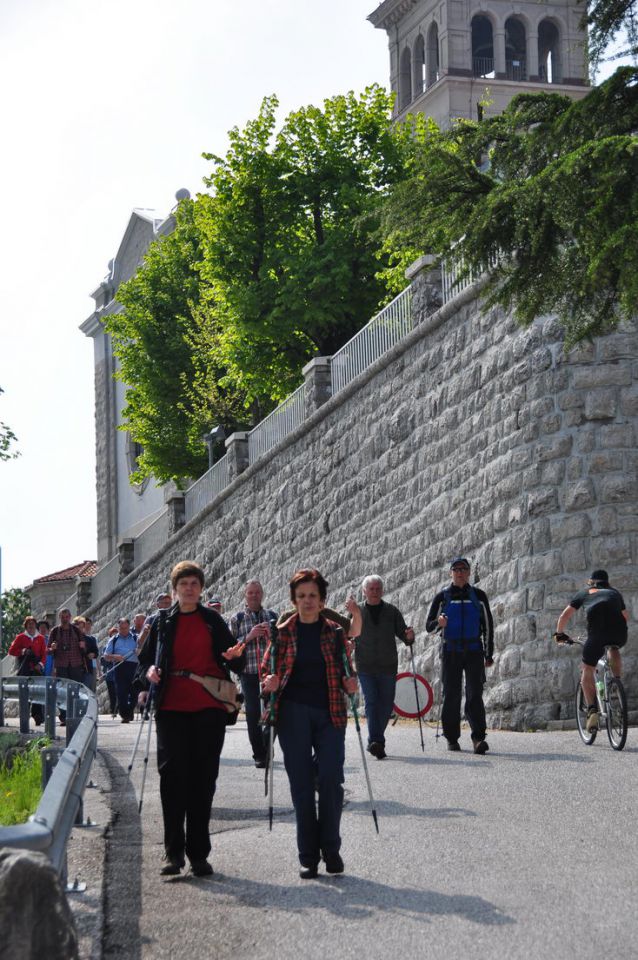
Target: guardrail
(206, 488)
(380, 334)
(283, 420)
(151, 538)
(60, 806)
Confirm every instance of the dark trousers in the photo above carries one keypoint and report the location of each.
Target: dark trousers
(253, 706)
(378, 694)
(112, 692)
(123, 677)
(301, 730)
(470, 662)
(189, 746)
(69, 673)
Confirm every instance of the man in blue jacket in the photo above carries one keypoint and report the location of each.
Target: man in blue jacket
(462, 614)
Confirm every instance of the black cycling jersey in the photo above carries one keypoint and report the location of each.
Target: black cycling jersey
(603, 607)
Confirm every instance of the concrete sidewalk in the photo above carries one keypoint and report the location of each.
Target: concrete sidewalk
(528, 852)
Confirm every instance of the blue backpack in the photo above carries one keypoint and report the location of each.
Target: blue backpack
(464, 621)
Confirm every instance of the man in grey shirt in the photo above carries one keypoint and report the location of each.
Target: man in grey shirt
(377, 660)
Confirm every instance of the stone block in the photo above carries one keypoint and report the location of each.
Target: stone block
(567, 528)
(605, 461)
(618, 346)
(574, 556)
(585, 441)
(629, 402)
(540, 567)
(541, 501)
(580, 495)
(606, 521)
(608, 551)
(524, 629)
(601, 375)
(552, 473)
(583, 352)
(601, 404)
(552, 449)
(616, 435)
(35, 918)
(535, 597)
(551, 423)
(574, 418)
(509, 663)
(574, 469)
(618, 489)
(571, 399)
(524, 690)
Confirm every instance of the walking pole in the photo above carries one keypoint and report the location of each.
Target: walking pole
(438, 716)
(271, 734)
(416, 694)
(123, 660)
(348, 672)
(148, 711)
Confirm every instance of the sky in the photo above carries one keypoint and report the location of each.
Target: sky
(106, 107)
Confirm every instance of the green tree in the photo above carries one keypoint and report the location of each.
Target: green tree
(155, 339)
(15, 604)
(549, 191)
(7, 438)
(609, 21)
(291, 265)
(279, 262)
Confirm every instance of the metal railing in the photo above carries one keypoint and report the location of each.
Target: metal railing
(381, 333)
(60, 806)
(483, 67)
(106, 579)
(454, 278)
(151, 539)
(516, 69)
(206, 488)
(283, 420)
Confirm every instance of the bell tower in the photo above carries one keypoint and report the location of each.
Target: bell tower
(467, 58)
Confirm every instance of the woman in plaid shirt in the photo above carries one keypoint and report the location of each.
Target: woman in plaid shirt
(308, 682)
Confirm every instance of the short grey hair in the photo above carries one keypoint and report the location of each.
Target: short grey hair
(372, 578)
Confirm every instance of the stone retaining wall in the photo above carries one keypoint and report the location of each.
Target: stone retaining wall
(473, 437)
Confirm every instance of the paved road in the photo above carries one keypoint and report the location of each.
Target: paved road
(529, 852)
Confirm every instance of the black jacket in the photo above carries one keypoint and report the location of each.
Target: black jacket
(164, 628)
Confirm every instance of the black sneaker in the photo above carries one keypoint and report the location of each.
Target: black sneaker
(201, 868)
(481, 746)
(261, 764)
(376, 749)
(308, 873)
(454, 746)
(333, 862)
(171, 868)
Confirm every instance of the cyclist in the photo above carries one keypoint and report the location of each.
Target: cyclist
(606, 627)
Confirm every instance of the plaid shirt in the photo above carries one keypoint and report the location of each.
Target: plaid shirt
(332, 647)
(241, 623)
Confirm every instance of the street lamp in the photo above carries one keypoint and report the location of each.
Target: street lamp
(216, 434)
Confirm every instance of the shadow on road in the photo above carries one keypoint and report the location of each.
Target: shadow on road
(354, 898)
(393, 808)
(122, 869)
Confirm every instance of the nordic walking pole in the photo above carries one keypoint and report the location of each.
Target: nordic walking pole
(438, 716)
(416, 694)
(271, 732)
(148, 711)
(348, 672)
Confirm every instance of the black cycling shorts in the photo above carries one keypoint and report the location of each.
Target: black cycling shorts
(595, 647)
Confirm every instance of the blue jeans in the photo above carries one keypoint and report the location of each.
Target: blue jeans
(301, 729)
(253, 707)
(378, 693)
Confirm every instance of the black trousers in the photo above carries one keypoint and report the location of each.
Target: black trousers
(69, 673)
(253, 706)
(472, 664)
(189, 746)
(124, 676)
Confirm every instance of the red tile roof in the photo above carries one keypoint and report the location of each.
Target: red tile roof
(88, 568)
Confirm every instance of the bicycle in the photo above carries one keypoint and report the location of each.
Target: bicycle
(612, 702)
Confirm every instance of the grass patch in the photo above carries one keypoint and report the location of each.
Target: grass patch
(21, 785)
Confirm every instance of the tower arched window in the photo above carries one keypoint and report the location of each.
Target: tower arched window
(418, 66)
(405, 79)
(549, 65)
(432, 55)
(482, 47)
(515, 50)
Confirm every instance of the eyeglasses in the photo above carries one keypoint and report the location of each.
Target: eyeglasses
(460, 569)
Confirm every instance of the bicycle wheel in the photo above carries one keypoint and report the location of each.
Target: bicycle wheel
(587, 736)
(617, 714)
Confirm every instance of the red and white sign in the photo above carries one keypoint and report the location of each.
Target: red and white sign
(411, 702)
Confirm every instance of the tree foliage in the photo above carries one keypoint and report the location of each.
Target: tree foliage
(610, 21)
(548, 191)
(7, 438)
(16, 605)
(279, 262)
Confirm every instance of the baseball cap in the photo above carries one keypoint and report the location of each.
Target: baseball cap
(460, 562)
(160, 596)
(214, 599)
(600, 575)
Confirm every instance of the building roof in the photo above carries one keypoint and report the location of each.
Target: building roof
(88, 568)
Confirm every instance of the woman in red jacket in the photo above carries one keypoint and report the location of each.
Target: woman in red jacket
(30, 649)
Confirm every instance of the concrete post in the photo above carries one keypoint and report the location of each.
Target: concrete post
(427, 288)
(176, 506)
(83, 593)
(532, 56)
(318, 383)
(499, 55)
(237, 450)
(126, 551)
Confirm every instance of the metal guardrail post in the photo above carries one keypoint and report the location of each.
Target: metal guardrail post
(50, 703)
(49, 757)
(23, 700)
(1, 701)
(72, 715)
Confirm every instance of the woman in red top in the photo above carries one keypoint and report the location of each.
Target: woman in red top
(191, 723)
(29, 647)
